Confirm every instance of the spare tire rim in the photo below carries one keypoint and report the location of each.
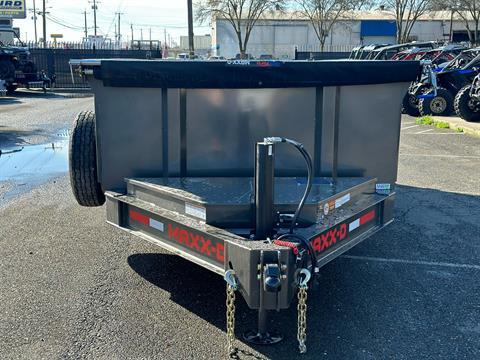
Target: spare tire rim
(438, 105)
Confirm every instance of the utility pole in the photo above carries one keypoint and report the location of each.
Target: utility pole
(165, 38)
(131, 28)
(190, 28)
(119, 32)
(94, 7)
(35, 20)
(150, 37)
(141, 34)
(44, 14)
(86, 27)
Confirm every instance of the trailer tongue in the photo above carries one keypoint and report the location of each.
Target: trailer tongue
(195, 157)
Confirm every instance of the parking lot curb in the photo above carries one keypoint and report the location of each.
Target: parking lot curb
(456, 123)
(74, 95)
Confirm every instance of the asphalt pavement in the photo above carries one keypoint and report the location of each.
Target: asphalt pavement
(72, 286)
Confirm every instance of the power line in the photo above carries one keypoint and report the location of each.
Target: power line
(64, 23)
(75, 28)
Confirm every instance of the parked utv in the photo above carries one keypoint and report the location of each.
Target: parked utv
(410, 54)
(435, 90)
(443, 55)
(439, 98)
(467, 101)
(387, 52)
(425, 81)
(363, 51)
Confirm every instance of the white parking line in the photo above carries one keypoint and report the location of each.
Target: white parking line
(413, 262)
(424, 131)
(449, 133)
(444, 156)
(410, 127)
(408, 122)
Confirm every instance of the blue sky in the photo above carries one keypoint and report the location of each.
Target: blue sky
(146, 14)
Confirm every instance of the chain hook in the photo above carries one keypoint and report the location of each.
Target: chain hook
(230, 279)
(303, 283)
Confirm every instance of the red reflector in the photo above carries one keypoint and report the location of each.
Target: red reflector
(367, 217)
(139, 217)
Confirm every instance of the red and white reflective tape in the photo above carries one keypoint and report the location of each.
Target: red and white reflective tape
(145, 220)
(361, 220)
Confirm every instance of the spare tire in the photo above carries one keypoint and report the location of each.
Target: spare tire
(441, 104)
(465, 107)
(83, 161)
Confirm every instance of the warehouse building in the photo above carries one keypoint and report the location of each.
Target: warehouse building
(201, 43)
(278, 34)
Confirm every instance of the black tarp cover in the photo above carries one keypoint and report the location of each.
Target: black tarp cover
(251, 73)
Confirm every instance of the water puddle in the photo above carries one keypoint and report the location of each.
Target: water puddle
(27, 167)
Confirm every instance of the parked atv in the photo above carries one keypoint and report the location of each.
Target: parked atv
(467, 101)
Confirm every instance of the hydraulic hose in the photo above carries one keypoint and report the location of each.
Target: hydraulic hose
(309, 163)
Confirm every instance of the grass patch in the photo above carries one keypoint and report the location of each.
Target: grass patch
(425, 120)
(429, 120)
(441, 124)
(459, 130)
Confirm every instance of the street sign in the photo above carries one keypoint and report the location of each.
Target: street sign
(14, 9)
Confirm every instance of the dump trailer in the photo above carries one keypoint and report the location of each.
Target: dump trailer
(259, 171)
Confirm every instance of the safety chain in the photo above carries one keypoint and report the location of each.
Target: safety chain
(231, 288)
(302, 311)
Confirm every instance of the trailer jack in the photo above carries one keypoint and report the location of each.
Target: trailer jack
(270, 270)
